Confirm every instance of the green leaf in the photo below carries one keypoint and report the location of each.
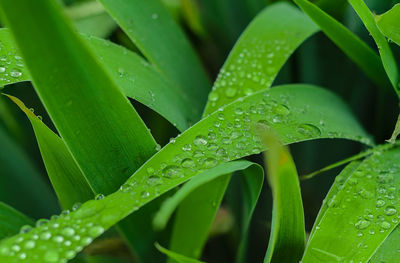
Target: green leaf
(361, 215)
(388, 60)
(132, 74)
(12, 68)
(18, 172)
(186, 198)
(158, 37)
(91, 18)
(11, 220)
(260, 53)
(67, 179)
(349, 43)
(175, 256)
(196, 151)
(77, 91)
(389, 24)
(287, 238)
(273, 36)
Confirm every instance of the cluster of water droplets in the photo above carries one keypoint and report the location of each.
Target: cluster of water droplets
(251, 70)
(67, 234)
(375, 186)
(11, 65)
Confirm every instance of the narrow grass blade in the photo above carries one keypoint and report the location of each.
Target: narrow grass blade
(11, 221)
(67, 179)
(260, 53)
(330, 197)
(133, 75)
(76, 91)
(287, 238)
(388, 60)
(196, 151)
(155, 33)
(21, 185)
(91, 18)
(361, 215)
(12, 68)
(348, 42)
(175, 256)
(185, 199)
(252, 65)
(389, 24)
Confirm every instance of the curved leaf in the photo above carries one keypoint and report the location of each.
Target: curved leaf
(388, 60)
(194, 152)
(260, 53)
(287, 229)
(18, 172)
(187, 199)
(361, 215)
(177, 257)
(11, 221)
(158, 37)
(133, 75)
(252, 65)
(76, 91)
(389, 24)
(67, 179)
(348, 42)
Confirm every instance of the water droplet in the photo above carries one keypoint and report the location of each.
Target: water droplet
(362, 224)
(172, 171)
(309, 130)
(29, 244)
(210, 163)
(385, 225)
(380, 203)
(390, 210)
(154, 16)
(25, 229)
(95, 231)
(281, 109)
(99, 197)
(187, 147)
(200, 140)
(2, 69)
(188, 163)
(15, 73)
(68, 231)
(76, 206)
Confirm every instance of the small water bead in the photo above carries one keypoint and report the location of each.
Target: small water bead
(154, 16)
(380, 203)
(45, 235)
(230, 92)
(390, 210)
(76, 206)
(187, 147)
(25, 229)
(29, 244)
(362, 224)
(58, 239)
(200, 140)
(281, 109)
(68, 231)
(188, 163)
(172, 140)
(99, 197)
(210, 163)
(309, 130)
(2, 69)
(158, 147)
(385, 225)
(95, 231)
(172, 171)
(42, 222)
(15, 73)
(213, 97)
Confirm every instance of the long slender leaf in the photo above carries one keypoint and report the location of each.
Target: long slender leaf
(389, 24)
(76, 92)
(11, 220)
(175, 256)
(156, 34)
(288, 229)
(195, 152)
(361, 215)
(67, 179)
(18, 175)
(273, 36)
(259, 54)
(133, 75)
(91, 18)
(254, 178)
(388, 60)
(348, 42)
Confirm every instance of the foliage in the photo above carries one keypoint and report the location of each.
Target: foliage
(115, 77)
